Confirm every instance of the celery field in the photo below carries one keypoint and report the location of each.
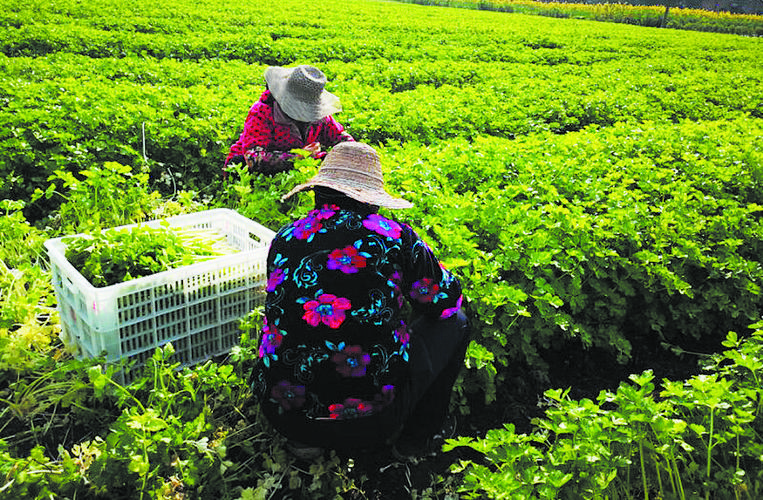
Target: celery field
(597, 187)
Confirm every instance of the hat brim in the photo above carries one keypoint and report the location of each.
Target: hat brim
(304, 111)
(362, 194)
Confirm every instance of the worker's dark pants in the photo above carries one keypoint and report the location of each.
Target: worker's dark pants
(436, 354)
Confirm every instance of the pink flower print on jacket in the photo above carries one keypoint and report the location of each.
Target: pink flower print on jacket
(447, 313)
(404, 338)
(272, 336)
(326, 308)
(276, 278)
(402, 335)
(383, 226)
(325, 212)
(384, 399)
(306, 229)
(347, 259)
(289, 396)
(426, 290)
(278, 273)
(350, 408)
(351, 361)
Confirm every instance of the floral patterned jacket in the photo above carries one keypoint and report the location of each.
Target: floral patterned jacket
(269, 135)
(335, 342)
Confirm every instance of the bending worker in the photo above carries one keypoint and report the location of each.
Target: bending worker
(294, 112)
(343, 365)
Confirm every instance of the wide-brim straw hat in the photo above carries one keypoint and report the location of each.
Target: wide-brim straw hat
(354, 168)
(300, 92)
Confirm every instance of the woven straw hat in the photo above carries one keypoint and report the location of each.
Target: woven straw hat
(300, 92)
(354, 168)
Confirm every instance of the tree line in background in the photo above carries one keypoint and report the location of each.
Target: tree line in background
(722, 16)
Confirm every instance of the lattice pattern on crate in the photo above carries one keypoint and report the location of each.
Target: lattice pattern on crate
(197, 308)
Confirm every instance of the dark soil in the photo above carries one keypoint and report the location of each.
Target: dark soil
(585, 372)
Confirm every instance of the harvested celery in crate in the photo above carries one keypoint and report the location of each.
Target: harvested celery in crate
(196, 306)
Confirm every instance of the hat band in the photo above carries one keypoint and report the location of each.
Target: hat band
(375, 182)
(350, 184)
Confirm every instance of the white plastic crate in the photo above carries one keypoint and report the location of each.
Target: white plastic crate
(196, 307)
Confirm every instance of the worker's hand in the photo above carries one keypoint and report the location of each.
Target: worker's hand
(313, 147)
